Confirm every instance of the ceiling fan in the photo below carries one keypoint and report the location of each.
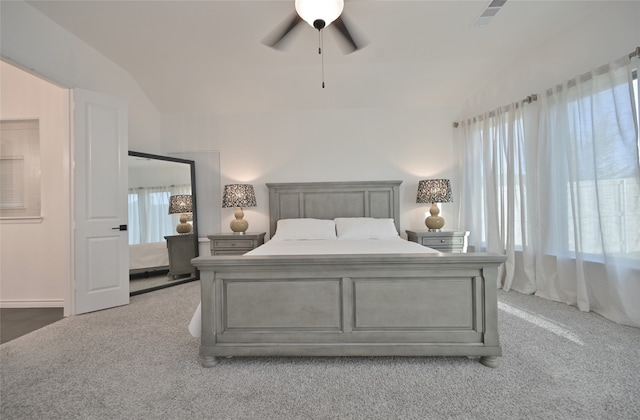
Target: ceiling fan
(319, 14)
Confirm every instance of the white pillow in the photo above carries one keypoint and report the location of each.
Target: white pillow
(301, 229)
(365, 228)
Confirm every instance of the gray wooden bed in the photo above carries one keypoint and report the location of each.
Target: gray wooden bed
(348, 305)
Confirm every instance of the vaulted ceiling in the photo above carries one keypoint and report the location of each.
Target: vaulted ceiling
(207, 56)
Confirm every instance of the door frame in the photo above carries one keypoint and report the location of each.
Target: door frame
(69, 304)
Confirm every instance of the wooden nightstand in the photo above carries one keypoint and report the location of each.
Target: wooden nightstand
(182, 249)
(443, 241)
(232, 244)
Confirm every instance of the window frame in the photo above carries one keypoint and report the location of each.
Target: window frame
(20, 140)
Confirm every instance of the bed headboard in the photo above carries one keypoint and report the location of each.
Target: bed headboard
(328, 200)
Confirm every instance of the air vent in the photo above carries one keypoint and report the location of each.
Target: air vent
(488, 13)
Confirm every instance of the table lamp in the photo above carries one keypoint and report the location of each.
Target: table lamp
(239, 196)
(434, 191)
(182, 205)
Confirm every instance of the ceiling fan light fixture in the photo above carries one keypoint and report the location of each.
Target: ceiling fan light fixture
(319, 10)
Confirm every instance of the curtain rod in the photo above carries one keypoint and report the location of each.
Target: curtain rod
(527, 100)
(534, 97)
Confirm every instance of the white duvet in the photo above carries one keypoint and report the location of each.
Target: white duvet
(150, 255)
(326, 247)
(340, 246)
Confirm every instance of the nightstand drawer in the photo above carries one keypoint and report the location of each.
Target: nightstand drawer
(233, 243)
(443, 242)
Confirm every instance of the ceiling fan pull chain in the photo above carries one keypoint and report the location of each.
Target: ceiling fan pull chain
(320, 47)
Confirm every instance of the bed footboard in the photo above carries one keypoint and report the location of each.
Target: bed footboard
(355, 305)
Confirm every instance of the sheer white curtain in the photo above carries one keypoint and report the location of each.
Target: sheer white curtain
(589, 241)
(495, 176)
(149, 218)
(555, 185)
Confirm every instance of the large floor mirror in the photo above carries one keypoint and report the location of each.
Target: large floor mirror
(163, 235)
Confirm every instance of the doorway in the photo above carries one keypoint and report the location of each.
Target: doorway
(48, 238)
(44, 239)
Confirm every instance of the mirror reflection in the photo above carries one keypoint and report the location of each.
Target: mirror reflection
(161, 206)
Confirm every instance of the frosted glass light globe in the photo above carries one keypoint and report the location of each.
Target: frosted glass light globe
(325, 10)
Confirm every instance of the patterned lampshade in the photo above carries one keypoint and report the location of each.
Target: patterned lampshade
(238, 195)
(434, 191)
(179, 204)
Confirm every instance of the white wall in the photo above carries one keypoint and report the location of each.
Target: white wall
(35, 42)
(35, 257)
(323, 145)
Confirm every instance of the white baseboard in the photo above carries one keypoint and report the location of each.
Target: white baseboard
(57, 303)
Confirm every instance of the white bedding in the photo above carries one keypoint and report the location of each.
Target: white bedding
(326, 247)
(151, 255)
(340, 246)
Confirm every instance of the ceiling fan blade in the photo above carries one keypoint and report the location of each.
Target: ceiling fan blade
(348, 44)
(274, 38)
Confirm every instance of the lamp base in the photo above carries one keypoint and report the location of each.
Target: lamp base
(239, 226)
(434, 222)
(184, 227)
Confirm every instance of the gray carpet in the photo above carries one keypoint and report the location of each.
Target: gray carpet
(139, 362)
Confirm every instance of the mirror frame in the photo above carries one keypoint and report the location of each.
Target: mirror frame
(192, 168)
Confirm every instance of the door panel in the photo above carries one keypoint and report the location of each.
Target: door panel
(101, 247)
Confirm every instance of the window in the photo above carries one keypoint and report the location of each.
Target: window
(607, 188)
(569, 166)
(20, 169)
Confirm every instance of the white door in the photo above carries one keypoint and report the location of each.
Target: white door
(101, 243)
